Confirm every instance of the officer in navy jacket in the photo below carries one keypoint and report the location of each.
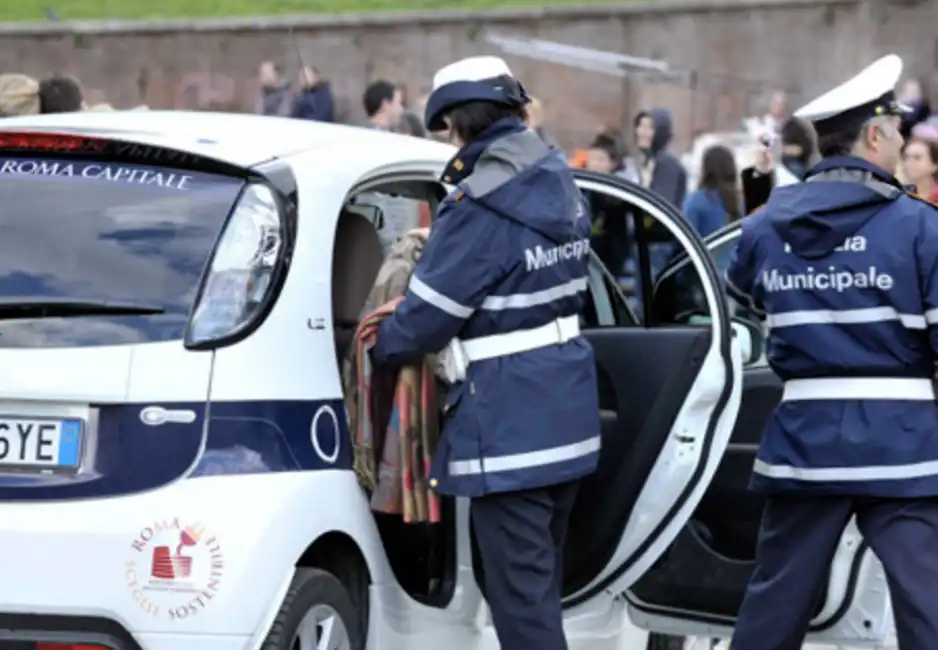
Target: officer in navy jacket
(844, 269)
(499, 287)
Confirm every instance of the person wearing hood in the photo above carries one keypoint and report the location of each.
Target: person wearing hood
(498, 290)
(844, 269)
(275, 96)
(661, 171)
(314, 100)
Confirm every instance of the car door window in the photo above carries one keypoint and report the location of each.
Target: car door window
(606, 304)
(632, 245)
(678, 294)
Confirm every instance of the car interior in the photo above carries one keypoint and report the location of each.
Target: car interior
(636, 418)
(708, 567)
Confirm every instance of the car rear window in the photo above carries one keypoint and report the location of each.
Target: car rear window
(105, 232)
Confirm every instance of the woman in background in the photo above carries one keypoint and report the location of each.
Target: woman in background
(716, 201)
(920, 164)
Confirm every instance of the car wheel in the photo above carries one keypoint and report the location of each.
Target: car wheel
(665, 642)
(317, 614)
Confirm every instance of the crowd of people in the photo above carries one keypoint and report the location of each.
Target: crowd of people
(21, 95)
(720, 194)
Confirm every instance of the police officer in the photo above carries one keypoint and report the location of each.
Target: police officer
(499, 286)
(844, 268)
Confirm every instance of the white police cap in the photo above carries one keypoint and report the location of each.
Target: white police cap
(868, 94)
(476, 78)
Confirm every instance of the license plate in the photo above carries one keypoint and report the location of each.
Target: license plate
(40, 443)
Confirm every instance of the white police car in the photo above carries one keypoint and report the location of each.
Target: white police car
(175, 469)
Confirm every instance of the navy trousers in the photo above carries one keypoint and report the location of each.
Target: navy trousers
(520, 538)
(797, 542)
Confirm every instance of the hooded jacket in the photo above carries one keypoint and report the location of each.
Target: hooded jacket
(669, 178)
(508, 251)
(844, 268)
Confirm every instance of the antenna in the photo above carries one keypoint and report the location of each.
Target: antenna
(297, 51)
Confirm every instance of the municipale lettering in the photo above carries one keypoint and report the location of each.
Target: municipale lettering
(830, 279)
(540, 257)
(95, 171)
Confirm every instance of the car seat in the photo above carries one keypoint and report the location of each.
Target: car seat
(357, 258)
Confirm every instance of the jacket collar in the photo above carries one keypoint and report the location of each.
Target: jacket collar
(854, 163)
(462, 164)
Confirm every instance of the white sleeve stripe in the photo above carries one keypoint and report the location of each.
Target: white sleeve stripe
(932, 316)
(437, 299)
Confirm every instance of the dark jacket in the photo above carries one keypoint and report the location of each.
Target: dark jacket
(844, 269)
(756, 189)
(314, 103)
(669, 178)
(507, 252)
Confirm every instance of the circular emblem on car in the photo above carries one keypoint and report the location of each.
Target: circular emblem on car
(325, 429)
(174, 569)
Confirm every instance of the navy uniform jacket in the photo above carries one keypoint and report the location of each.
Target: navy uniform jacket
(508, 251)
(844, 268)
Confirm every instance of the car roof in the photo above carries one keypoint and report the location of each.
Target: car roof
(240, 139)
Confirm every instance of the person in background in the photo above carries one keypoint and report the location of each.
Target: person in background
(384, 105)
(412, 125)
(19, 95)
(759, 180)
(314, 100)
(659, 169)
(661, 172)
(61, 94)
(536, 122)
(275, 96)
(608, 153)
(913, 96)
(613, 229)
(611, 236)
(920, 164)
(797, 146)
(777, 114)
(716, 201)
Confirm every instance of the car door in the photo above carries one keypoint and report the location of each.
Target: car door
(669, 397)
(698, 584)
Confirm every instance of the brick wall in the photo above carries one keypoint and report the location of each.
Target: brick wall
(736, 48)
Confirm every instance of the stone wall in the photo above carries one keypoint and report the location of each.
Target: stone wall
(730, 52)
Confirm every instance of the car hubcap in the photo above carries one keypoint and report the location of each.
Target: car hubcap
(322, 629)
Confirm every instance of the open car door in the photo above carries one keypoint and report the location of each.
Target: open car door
(697, 586)
(669, 397)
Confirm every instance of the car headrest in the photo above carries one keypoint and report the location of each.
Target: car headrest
(358, 256)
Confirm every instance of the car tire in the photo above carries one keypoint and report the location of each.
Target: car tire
(318, 595)
(665, 642)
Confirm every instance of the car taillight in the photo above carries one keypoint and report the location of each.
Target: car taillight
(242, 267)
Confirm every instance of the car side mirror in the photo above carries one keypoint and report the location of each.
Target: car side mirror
(751, 342)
